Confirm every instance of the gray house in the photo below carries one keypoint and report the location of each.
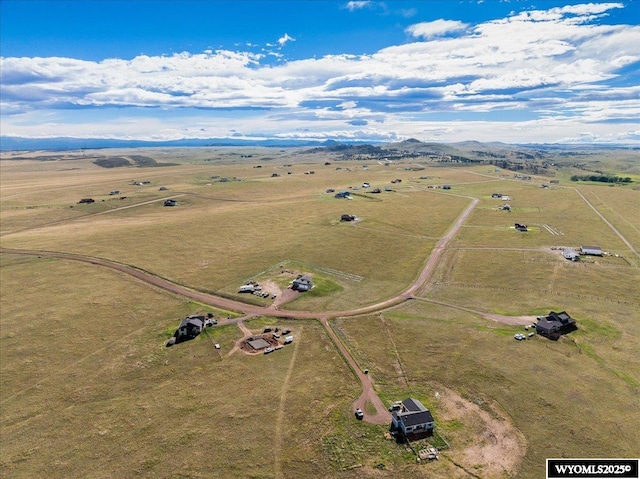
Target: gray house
(412, 420)
(189, 328)
(302, 283)
(571, 254)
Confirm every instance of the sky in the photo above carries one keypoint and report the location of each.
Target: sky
(515, 71)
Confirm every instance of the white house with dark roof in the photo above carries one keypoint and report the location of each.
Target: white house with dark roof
(412, 419)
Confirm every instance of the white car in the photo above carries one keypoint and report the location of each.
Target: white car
(519, 337)
(359, 414)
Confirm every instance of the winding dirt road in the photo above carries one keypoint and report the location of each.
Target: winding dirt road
(368, 395)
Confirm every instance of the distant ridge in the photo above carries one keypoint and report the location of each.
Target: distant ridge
(11, 143)
(8, 143)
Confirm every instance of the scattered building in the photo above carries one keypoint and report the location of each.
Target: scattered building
(302, 283)
(555, 325)
(331, 190)
(496, 195)
(412, 420)
(189, 328)
(247, 288)
(554, 182)
(342, 194)
(591, 250)
(170, 202)
(163, 188)
(86, 200)
(571, 254)
(347, 218)
(114, 192)
(520, 227)
(446, 187)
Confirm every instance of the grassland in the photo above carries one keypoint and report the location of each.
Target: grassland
(86, 380)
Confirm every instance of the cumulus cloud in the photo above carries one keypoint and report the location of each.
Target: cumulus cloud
(437, 28)
(556, 65)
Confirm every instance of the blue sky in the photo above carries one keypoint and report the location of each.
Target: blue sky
(513, 71)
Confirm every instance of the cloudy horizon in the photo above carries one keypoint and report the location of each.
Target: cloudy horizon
(566, 73)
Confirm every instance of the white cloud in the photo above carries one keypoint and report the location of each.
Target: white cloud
(552, 65)
(285, 38)
(437, 28)
(357, 5)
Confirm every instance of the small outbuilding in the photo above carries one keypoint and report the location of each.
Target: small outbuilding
(342, 194)
(170, 202)
(86, 200)
(347, 218)
(446, 187)
(521, 227)
(591, 250)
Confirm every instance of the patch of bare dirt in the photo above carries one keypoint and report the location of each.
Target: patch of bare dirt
(488, 445)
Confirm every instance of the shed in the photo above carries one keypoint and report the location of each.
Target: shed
(258, 343)
(446, 187)
(170, 202)
(347, 218)
(247, 288)
(591, 250)
(86, 200)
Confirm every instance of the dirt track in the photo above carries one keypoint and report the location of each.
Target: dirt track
(420, 285)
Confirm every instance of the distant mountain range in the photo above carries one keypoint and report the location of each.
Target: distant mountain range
(9, 143)
(12, 143)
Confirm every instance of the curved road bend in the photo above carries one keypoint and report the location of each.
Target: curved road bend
(382, 416)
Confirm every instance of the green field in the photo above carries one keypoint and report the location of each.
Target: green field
(86, 380)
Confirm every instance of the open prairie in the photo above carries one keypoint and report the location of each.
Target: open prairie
(91, 292)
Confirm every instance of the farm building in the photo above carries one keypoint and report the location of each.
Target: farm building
(347, 218)
(446, 187)
(412, 420)
(571, 254)
(86, 200)
(302, 283)
(555, 325)
(189, 328)
(591, 250)
(170, 203)
(341, 194)
(520, 227)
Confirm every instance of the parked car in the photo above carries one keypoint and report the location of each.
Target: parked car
(359, 414)
(519, 337)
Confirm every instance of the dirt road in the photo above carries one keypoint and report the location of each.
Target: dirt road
(368, 395)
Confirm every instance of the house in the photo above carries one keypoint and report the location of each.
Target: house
(446, 187)
(591, 250)
(347, 218)
(247, 288)
(86, 200)
(170, 202)
(555, 325)
(496, 195)
(412, 420)
(341, 194)
(570, 254)
(520, 227)
(189, 328)
(302, 283)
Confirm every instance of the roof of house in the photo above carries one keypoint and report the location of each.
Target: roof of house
(197, 321)
(413, 413)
